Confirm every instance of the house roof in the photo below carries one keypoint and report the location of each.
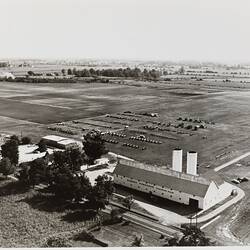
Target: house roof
(66, 142)
(160, 179)
(55, 138)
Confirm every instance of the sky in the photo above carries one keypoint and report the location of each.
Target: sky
(197, 30)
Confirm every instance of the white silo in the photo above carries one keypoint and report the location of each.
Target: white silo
(192, 162)
(177, 160)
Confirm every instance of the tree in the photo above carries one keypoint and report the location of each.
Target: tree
(23, 175)
(25, 140)
(192, 236)
(128, 201)
(74, 158)
(42, 147)
(10, 150)
(105, 183)
(6, 167)
(16, 138)
(74, 71)
(100, 192)
(37, 171)
(68, 185)
(172, 242)
(181, 70)
(31, 73)
(115, 215)
(69, 71)
(138, 241)
(57, 242)
(94, 145)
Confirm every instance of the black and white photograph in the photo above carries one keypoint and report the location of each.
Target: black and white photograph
(124, 123)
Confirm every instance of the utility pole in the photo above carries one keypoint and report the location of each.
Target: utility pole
(196, 219)
(190, 220)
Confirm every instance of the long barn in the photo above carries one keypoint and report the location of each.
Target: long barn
(188, 188)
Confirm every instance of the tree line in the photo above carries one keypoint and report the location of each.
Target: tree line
(121, 72)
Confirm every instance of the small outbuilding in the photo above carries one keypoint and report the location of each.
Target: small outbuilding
(60, 142)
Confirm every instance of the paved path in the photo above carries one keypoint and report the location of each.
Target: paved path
(231, 162)
(164, 215)
(210, 222)
(217, 211)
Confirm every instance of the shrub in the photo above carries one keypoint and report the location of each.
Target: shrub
(56, 242)
(25, 140)
(85, 236)
(6, 167)
(10, 150)
(42, 147)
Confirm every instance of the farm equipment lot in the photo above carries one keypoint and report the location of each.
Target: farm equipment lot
(73, 109)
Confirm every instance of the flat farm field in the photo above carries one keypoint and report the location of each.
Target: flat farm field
(49, 103)
(34, 109)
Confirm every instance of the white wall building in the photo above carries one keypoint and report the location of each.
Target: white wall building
(190, 189)
(60, 142)
(6, 75)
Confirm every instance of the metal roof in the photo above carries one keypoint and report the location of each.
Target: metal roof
(168, 181)
(55, 138)
(66, 142)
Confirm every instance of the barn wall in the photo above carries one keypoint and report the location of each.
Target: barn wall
(216, 194)
(160, 191)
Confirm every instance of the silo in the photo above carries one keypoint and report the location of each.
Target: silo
(177, 160)
(192, 162)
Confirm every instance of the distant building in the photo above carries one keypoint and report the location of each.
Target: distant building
(187, 188)
(6, 75)
(60, 142)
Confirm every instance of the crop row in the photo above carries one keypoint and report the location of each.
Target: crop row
(111, 141)
(116, 134)
(63, 130)
(133, 146)
(145, 140)
(122, 118)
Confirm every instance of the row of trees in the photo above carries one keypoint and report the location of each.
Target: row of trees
(121, 72)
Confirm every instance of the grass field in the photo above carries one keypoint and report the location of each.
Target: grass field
(31, 108)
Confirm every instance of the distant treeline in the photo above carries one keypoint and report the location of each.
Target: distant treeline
(39, 80)
(4, 64)
(121, 72)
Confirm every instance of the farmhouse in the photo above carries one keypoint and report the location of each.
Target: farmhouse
(60, 142)
(187, 188)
